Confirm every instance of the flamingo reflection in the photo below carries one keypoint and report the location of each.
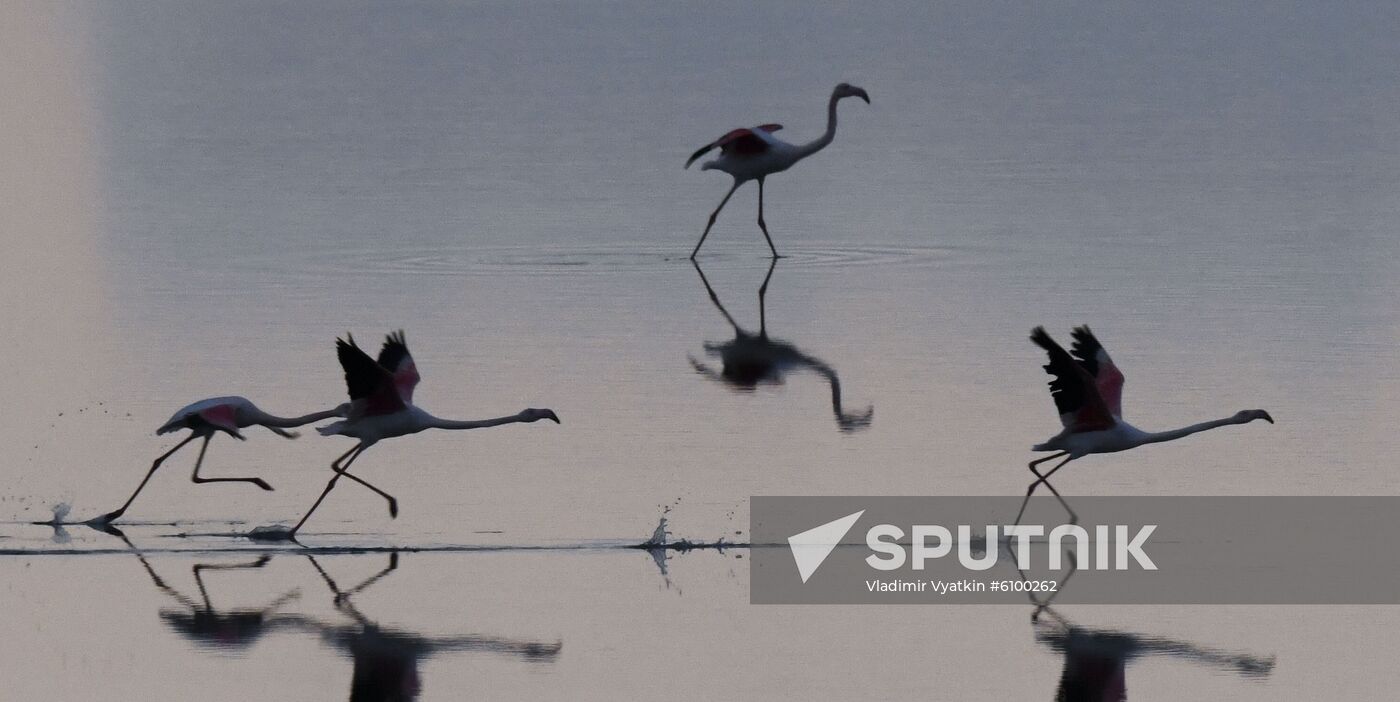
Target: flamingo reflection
(1096, 660)
(386, 660)
(752, 359)
(200, 621)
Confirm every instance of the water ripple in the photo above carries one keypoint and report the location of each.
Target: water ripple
(610, 259)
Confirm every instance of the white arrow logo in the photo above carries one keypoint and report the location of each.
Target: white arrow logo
(811, 547)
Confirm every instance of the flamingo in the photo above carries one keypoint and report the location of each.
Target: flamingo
(381, 407)
(1088, 392)
(754, 154)
(206, 418)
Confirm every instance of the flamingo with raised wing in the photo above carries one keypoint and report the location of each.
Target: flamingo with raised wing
(1088, 392)
(755, 154)
(381, 407)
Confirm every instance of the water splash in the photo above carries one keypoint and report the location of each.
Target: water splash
(661, 536)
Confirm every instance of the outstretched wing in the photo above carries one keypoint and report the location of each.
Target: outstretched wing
(1107, 378)
(1076, 396)
(395, 358)
(371, 386)
(744, 142)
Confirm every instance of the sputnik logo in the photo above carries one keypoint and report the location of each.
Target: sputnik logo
(810, 548)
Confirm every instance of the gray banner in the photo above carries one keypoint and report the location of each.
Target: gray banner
(1123, 550)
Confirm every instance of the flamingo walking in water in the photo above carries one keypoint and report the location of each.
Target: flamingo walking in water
(1088, 392)
(208, 417)
(381, 407)
(755, 154)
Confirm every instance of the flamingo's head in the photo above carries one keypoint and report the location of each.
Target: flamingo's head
(535, 415)
(1251, 415)
(846, 90)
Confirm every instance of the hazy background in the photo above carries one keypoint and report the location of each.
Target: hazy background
(195, 199)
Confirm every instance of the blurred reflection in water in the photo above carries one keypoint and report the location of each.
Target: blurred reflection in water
(386, 660)
(1096, 660)
(750, 360)
(200, 621)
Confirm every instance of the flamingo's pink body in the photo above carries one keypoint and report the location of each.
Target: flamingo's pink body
(227, 414)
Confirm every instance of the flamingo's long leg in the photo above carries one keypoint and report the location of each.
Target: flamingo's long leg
(763, 226)
(340, 470)
(117, 513)
(329, 486)
(200, 461)
(714, 214)
(1041, 479)
(393, 503)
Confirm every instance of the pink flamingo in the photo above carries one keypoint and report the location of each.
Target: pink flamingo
(1088, 392)
(208, 417)
(381, 407)
(755, 154)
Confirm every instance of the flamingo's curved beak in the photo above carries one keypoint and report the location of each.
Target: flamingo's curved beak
(860, 93)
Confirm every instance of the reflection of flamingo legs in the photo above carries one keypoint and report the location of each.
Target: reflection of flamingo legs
(752, 359)
(199, 568)
(342, 596)
(1059, 584)
(404, 646)
(202, 622)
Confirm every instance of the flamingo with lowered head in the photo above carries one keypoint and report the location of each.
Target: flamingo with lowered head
(755, 154)
(1088, 392)
(206, 418)
(381, 407)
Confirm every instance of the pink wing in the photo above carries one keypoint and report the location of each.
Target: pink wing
(221, 416)
(1077, 398)
(371, 386)
(1110, 382)
(1107, 378)
(396, 359)
(742, 141)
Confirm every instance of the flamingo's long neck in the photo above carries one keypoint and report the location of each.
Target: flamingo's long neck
(270, 420)
(822, 141)
(1174, 434)
(439, 423)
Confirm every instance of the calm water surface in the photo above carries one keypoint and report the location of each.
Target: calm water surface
(199, 198)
